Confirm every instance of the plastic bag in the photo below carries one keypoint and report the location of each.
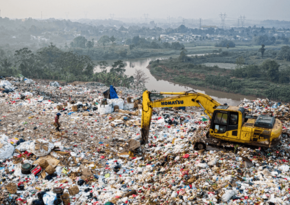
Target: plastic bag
(6, 149)
(228, 195)
(105, 109)
(119, 102)
(28, 81)
(128, 106)
(27, 94)
(24, 146)
(41, 147)
(48, 198)
(4, 83)
(55, 84)
(284, 168)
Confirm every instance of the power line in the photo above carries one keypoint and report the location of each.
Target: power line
(242, 18)
(223, 18)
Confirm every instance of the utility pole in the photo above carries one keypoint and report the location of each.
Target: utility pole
(223, 18)
(242, 18)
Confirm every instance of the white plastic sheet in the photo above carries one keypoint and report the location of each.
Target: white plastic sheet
(105, 109)
(48, 198)
(128, 106)
(6, 149)
(4, 83)
(7, 85)
(27, 94)
(24, 146)
(41, 152)
(55, 84)
(119, 102)
(28, 81)
(228, 195)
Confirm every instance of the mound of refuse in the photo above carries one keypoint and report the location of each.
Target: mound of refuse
(97, 158)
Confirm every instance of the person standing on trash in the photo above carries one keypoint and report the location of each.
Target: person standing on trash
(56, 121)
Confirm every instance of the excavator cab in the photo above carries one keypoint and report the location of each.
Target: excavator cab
(225, 122)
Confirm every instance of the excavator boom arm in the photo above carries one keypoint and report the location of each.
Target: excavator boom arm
(184, 99)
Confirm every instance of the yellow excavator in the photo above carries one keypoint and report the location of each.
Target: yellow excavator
(227, 123)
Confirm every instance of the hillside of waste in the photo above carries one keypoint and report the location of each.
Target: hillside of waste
(96, 157)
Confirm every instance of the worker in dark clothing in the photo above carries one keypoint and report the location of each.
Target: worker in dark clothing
(56, 121)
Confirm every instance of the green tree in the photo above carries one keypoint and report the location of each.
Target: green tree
(79, 42)
(103, 65)
(89, 44)
(284, 53)
(25, 60)
(240, 62)
(136, 40)
(177, 45)
(284, 76)
(262, 50)
(272, 70)
(104, 40)
(183, 56)
(118, 67)
(112, 39)
(225, 43)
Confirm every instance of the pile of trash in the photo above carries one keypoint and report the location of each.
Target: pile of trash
(96, 157)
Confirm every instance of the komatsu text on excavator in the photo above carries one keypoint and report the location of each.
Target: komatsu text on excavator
(228, 123)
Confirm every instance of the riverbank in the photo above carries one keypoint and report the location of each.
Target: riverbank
(257, 82)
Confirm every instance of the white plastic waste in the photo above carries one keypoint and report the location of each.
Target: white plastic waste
(7, 85)
(55, 84)
(24, 146)
(28, 81)
(27, 94)
(16, 95)
(128, 106)
(284, 168)
(48, 198)
(119, 102)
(43, 148)
(4, 83)
(228, 195)
(105, 109)
(6, 149)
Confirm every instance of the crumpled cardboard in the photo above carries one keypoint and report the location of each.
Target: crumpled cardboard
(50, 160)
(11, 188)
(50, 169)
(73, 190)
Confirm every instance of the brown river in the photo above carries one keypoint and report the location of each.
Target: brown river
(165, 86)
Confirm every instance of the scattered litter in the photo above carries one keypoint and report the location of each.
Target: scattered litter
(97, 158)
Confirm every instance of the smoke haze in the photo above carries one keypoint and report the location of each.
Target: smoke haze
(104, 9)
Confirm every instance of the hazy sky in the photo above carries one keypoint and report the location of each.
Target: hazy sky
(102, 9)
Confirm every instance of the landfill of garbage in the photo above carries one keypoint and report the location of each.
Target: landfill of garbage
(97, 158)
